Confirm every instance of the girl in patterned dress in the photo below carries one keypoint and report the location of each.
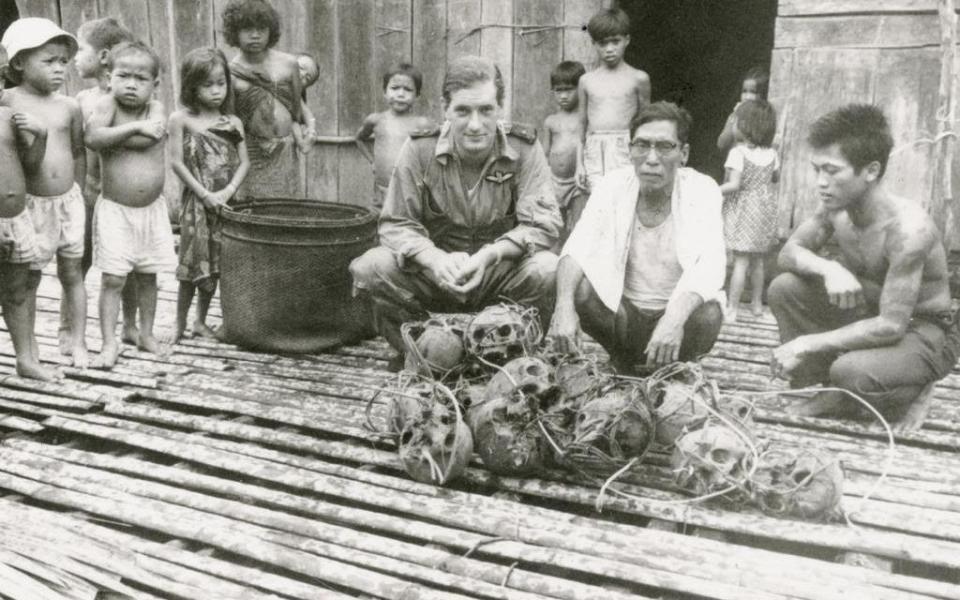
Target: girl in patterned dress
(750, 200)
(209, 155)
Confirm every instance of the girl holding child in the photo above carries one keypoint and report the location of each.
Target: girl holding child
(750, 203)
(209, 155)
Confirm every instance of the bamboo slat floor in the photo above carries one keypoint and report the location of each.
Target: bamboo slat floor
(216, 472)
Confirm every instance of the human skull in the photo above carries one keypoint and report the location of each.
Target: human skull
(681, 396)
(617, 422)
(435, 444)
(529, 375)
(505, 424)
(500, 333)
(801, 483)
(579, 378)
(713, 458)
(737, 408)
(433, 347)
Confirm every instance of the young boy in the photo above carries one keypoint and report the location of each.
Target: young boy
(96, 38)
(562, 135)
(39, 54)
(19, 155)
(392, 127)
(610, 95)
(131, 229)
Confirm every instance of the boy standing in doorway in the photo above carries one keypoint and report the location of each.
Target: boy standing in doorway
(610, 95)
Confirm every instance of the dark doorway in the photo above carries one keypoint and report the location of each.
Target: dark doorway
(696, 52)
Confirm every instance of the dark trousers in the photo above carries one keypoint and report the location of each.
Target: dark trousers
(626, 333)
(889, 377)
(398, 295)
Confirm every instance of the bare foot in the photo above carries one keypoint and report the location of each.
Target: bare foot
(81, 359)
(131, 335)
(730, 316)
(200, 329)
(109, 353)
(34, 370)
(66, 340)
(824, 404)
(148, 343)
(917, 413)
(756, 310)
(171, 336)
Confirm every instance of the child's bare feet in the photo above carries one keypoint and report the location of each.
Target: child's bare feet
(148, 343)
(34, 370)
(730, 316)
(81, 359)
(756, 310)
(109, 353)
(200, 329)
(131, 335)
(66, 340)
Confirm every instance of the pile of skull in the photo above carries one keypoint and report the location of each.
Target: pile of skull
(488, 384)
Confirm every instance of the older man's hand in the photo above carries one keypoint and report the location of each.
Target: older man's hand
(664, 345)
(788, 357)
(564, 330)
(470, 273)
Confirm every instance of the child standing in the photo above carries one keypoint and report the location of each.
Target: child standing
(391, 128)
(753, 87)
(39, 54)
(96, 38)
(23, 142)
(131, 230)
(609, 96)
(268, 99)
(750, 206)
(208, 153)
(562, 135)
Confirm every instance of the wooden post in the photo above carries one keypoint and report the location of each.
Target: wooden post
(942, 205)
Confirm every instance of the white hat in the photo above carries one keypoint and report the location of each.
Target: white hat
(33, 32)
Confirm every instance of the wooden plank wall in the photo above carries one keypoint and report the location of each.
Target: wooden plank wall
(831, 52)
(354, 41)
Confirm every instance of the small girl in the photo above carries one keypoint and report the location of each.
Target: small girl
(209, 155)
(754, 87)
(750, 206)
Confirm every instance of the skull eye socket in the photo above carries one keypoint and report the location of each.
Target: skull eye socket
(801, 476)
(448, 441)
(742, 412)
(445, 420)
(529, 388)
(774, 502)
(479, 334)
(720, 455)
(405, 437)
(534, 370)
(581, 417)
(504, 330)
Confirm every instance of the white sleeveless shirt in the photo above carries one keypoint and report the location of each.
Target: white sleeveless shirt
(653, 269)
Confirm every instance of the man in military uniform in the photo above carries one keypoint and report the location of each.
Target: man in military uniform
(470, 214)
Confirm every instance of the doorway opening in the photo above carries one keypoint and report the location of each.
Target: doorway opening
(696, 52)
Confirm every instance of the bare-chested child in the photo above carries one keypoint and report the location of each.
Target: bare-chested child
(131, 229)
(610, 95)
(23, 141)
(877, 321)
(392, 127)
(39, 54)
(561, 137)
(96, 39)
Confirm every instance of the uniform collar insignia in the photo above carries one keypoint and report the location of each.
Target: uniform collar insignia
(499, 176)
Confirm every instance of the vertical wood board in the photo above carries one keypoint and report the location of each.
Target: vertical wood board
(356, 23)
(535, 54)
(463, 28)
(323, 44)
(496, 43)
(430, 51)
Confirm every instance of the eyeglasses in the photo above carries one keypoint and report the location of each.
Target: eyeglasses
(642, 147)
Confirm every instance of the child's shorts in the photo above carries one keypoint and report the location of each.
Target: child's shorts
(605, 151)
(58, 222)
(18, 239)
(129, 239)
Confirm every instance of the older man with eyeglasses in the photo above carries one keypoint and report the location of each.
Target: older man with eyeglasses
(643, 271)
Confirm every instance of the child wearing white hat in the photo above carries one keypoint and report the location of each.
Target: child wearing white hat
(39, 53)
